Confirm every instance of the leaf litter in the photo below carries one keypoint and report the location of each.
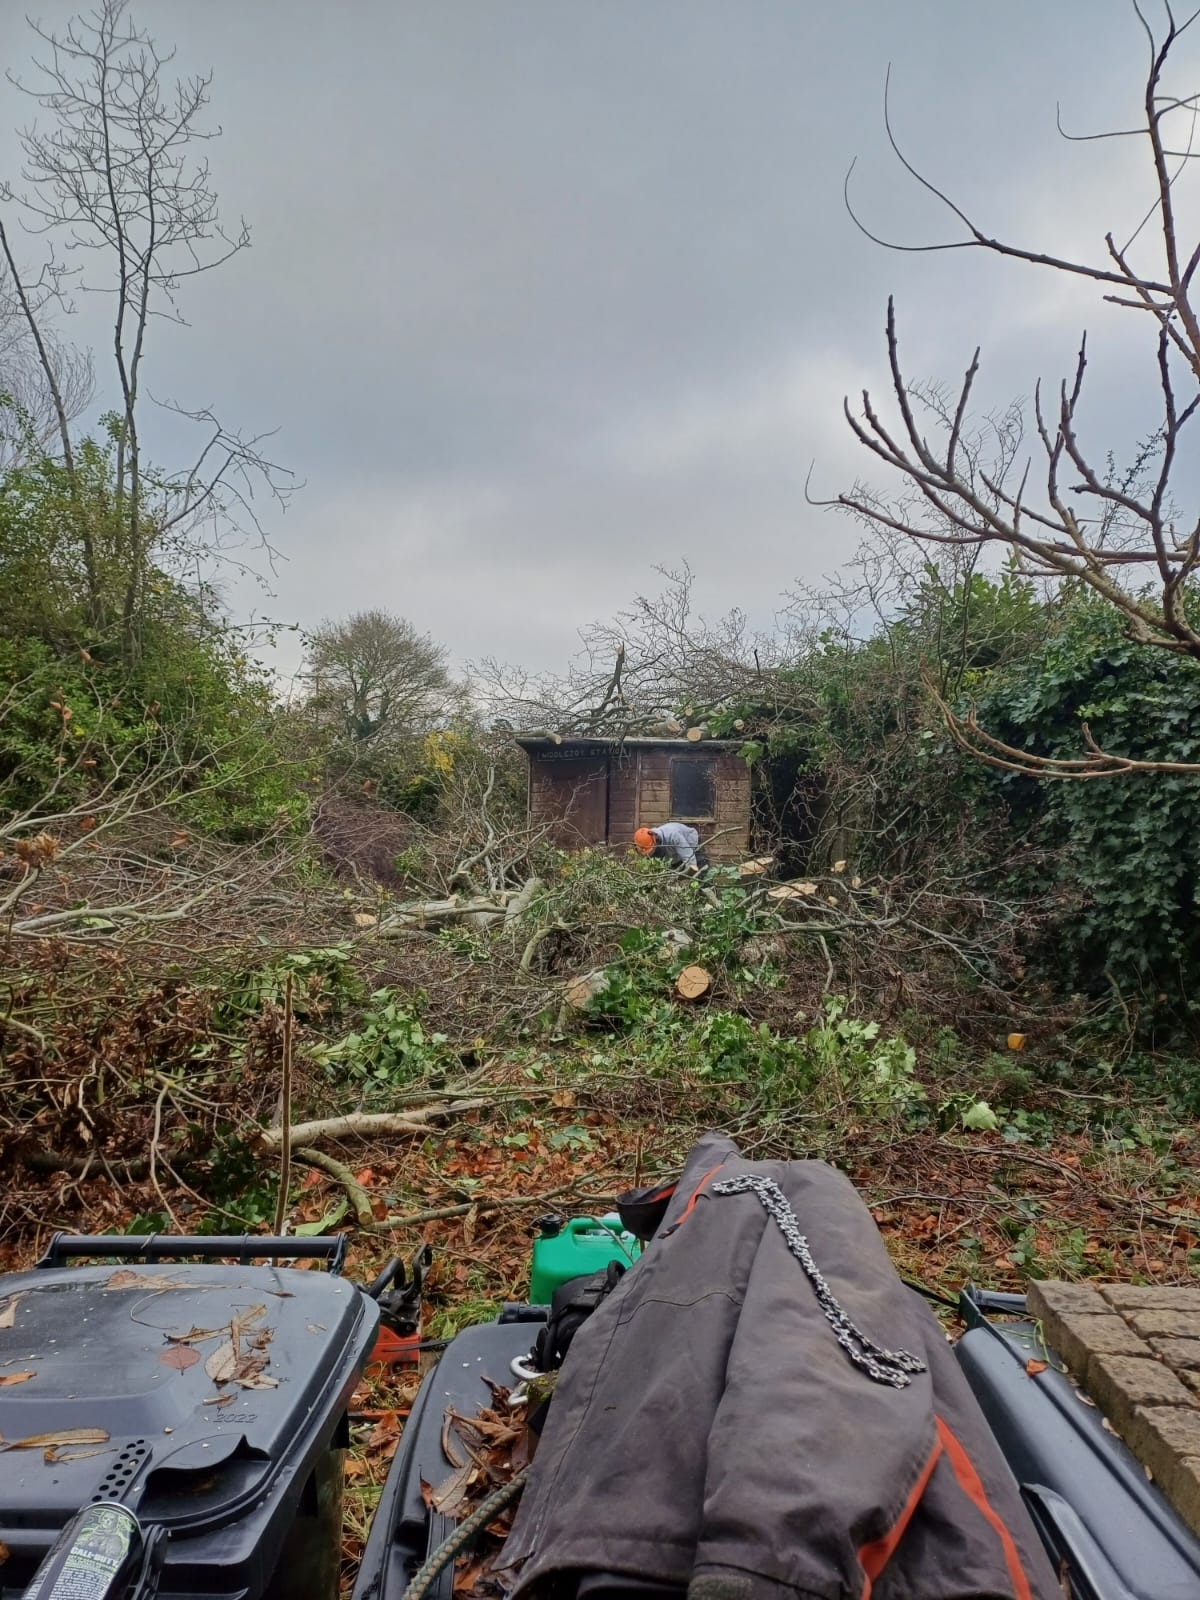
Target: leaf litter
(62, 1437)
(126, 1278)
(497, 1445)
(241, 1357)
(179, 1356)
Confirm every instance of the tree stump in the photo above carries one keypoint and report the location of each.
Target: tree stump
(692, 982)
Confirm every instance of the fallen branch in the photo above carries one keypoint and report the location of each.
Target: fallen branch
(367, 1124)
(433, 913)
(1013, 1153)
(482, 1208)
(154, 1138)
(360, 1200)
(27, 1027)
(536, 939)
(522, 900)
(133, 1170)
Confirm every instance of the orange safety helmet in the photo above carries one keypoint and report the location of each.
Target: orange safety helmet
(644, 840)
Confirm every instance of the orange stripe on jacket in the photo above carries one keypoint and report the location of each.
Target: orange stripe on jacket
(970, 1484)
(687, 1210)
(875, 1556)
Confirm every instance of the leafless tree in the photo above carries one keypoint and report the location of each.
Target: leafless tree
(971, 485)
(28, 414)
(113, 175)
(652, 669)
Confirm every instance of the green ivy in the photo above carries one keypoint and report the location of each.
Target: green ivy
(1126, 849)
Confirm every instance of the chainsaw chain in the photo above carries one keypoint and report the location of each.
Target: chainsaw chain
(884, 1366)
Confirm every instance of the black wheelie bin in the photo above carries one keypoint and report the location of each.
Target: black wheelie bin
(194, 1413)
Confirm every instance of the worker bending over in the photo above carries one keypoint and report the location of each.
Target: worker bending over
(674, 842)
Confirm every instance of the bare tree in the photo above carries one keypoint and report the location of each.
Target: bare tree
(374, 677)
(28, 404)
(114, 175)
(656, 666)
(971, 484)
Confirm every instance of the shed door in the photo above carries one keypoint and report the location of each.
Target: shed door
(573, 797)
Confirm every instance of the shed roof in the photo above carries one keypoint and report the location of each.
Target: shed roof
(532, 742)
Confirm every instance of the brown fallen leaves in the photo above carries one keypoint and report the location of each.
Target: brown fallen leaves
(57, 1446)
(485, 1451)
(180, 1357)
(241, 1357)
(10, 1378)
(126, 1278)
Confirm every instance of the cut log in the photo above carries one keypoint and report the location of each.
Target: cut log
(756, 867)
(581, 991)
(693, 982)
(694, 735)
(791, 891)
(739, 725)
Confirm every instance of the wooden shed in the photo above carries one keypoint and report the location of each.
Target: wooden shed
(599, 791)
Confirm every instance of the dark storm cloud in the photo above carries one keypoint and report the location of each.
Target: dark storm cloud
(543, 293)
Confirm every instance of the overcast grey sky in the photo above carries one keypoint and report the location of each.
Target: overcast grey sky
(544, 292)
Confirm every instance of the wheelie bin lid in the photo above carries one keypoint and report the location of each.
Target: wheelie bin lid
(188, 1392)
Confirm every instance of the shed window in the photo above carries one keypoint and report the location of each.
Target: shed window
(692, 788)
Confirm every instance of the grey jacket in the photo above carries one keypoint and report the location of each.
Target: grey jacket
(709, 1430)
(679, 840)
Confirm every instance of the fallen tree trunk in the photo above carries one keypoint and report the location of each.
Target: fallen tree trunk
(756, 867)
(522, 900)
(434, 913)
(367, 1124)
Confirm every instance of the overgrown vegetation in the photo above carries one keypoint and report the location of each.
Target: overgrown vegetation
(971, 987)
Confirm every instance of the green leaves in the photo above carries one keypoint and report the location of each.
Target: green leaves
(1119, 858)
(389, 1048)
(310, 1230)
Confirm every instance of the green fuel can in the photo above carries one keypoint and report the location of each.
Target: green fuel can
(568, 1250)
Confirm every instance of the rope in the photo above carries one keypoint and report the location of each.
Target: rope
(884, 1366)
(463, 1535)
